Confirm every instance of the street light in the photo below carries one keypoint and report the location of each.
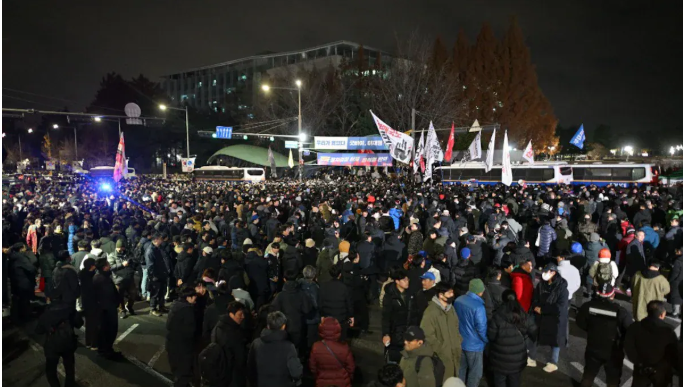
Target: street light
(30, 130)
(98, 119)
(301, 136)
(55, 126)
(187, 124)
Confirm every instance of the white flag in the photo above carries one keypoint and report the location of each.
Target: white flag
(529, 153)
(433, 151)
(506, 170)
(418, 162)
(489, 152)
(187, 164)
(475, 148)
(400, 144)
(290, 162)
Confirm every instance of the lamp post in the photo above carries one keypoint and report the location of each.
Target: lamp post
(187, 124)
(100, 119)
(21, 155)
(300, 136)
(55, 126)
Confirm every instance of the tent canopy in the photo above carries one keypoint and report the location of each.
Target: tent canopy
(251, 154)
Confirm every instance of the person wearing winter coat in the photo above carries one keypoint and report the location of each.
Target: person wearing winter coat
(546, 237)
(296, 305)
(415, 347)
(219, 307)
(434, 243)
(48, 247)
(22, 275)
(605, 323)
(648, 285)
(570, 273)
(180, 336)
(335, 300)
(309, 286)
(463, 272)
(635, 256)
(324, 263)
(651, 240)
(230, 335)
(605, 270)
(675, 279)
(424, 297)
(508, 331)
(57, 323)
(256, 267)
(550, 307)
(157, 271)
(184, 267)
(471, 312)
(331, 361)
(651, 345)
(586, 228)
(415, 238)
(564, 235)
(123, 274)
(397, 313)
(273, 360)
(66, 287)
(70, 241)
(494, 291)
(441, 327)
(673, 239)
(522, 253)
(592, 250)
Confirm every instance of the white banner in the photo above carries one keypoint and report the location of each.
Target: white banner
(418, 162)
(489, 152)
(433, 151)
(187, 164)
(400, 144)
(475, 148)
(529, 153)
(506, 171)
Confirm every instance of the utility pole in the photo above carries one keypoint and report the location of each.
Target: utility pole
(412, 126)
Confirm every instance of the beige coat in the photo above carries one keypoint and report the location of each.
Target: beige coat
(442, 330)
(647, 287)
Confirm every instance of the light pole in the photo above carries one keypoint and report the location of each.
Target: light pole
(100, 119)
(300, 136)
(55, 126)
(187, 124)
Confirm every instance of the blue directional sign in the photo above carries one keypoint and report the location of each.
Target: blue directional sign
(291, 144)
(307, 153)
(224, 132)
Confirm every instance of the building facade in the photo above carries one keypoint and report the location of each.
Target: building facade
(211, 87)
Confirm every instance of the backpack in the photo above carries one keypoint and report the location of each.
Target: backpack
(139, 253)
(215, 366)
(604, 273)
(437, 365)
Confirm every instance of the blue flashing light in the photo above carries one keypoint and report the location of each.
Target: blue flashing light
(105, 187)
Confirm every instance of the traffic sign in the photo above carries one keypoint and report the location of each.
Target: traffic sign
(291, 144)
(307, 153)
(224, 132)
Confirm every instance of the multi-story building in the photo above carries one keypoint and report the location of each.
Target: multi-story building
(209, 87)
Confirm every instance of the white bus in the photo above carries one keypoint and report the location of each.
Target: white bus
(538, 173)
(619, 174)
(229, 174)
(107, 172)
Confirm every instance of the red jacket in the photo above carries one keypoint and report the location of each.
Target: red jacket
(621, 246)
(523, 287)
(324, 366)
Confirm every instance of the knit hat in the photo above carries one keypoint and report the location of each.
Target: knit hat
(120, 243)
(310, 242)
(465, 253)
(247, 242)
(344, 247)
(595, 237)
(476, 286)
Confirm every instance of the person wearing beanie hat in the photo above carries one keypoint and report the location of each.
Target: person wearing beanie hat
(605, 323)
(463, 272)
(123, 275)
(605, 270)
(471, 311)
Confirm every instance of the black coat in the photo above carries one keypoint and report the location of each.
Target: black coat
(180, 331)
(367, 253)
(65, 284)
(675, 279)
(105, 291)
(184, 267)
(606, 323)
(652, 342)
(155, 263)
(273, 361)
(310, 256)
(463, 272)
(507, 346)
(493, 296)
(257, 270)
(211, 261)
(229, 268)
(553, 299)
(291, 260)
(297, 306)
(521, 255)
(58, 319)
(421, 301)
(334, 300)
(213, 312)
(233, 340)
(22, 273)
(88, 297)
(397, 313)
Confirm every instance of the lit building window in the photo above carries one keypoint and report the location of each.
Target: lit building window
(199, 84)
(243, 77)
(183, 97)
(215, 102)
(214, 82)
(251, 116)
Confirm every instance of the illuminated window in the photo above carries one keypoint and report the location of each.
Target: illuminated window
(251, 116)
(214, 82)
(243, 77)
(199, 84)
(183, 97)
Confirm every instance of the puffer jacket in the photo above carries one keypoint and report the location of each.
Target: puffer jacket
(331, 362)
(415, 242)
(471, 312)
(546, 238)
(651, 237)
(463, 272)
(70, 241)
(396, 215)
(507, 346)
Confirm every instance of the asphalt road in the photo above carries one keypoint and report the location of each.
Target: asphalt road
(141, 340)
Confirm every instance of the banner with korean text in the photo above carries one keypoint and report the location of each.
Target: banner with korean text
(355, 159)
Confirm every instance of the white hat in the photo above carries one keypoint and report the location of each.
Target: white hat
(247, 242)
(208, 250)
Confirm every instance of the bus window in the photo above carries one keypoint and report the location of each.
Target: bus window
(638, 173)
(255, 172)
(579, 173)
(622, 174)
(521, 173)
(599, 173)
(548, 174)
(565, 171)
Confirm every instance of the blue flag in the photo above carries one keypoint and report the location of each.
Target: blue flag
(578, 138)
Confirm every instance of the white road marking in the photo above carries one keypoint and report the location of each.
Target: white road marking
(156, 356)
(149, 370)
(628, 364)
(596, 382)
(628, 383)
(126, 333)
(572, 319)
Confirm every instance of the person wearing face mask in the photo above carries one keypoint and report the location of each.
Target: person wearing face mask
(108, 300)
(550, 306)
(441, 327)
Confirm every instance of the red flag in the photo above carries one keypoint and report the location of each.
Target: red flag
(451, 142)
(120, 166)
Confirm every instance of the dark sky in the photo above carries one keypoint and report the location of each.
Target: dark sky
(613, 62)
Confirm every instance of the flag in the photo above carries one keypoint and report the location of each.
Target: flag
(475, 147)
(529, 153)
(506, 170)
(578, 138)
(418, 162)
(489, 152)
(400, 144)
(187, 164)
(432, 151)
(120, 166)
(451, 142)
(271, 160)
(290, 162)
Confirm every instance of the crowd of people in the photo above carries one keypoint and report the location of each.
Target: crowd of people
(268, 283)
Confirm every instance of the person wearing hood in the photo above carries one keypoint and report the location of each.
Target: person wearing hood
(648, 285)
(123, 275)
(180, 335)
(651, 345)
(441, 327)
(296, 305)
(273, 360)
(570, 273)
(107, 298)
(331, 361)
(550, 306)
(463, 272)
(416, 347)
(221, 299)
(230, 336)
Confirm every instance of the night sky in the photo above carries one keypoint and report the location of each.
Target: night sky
(613, 62)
